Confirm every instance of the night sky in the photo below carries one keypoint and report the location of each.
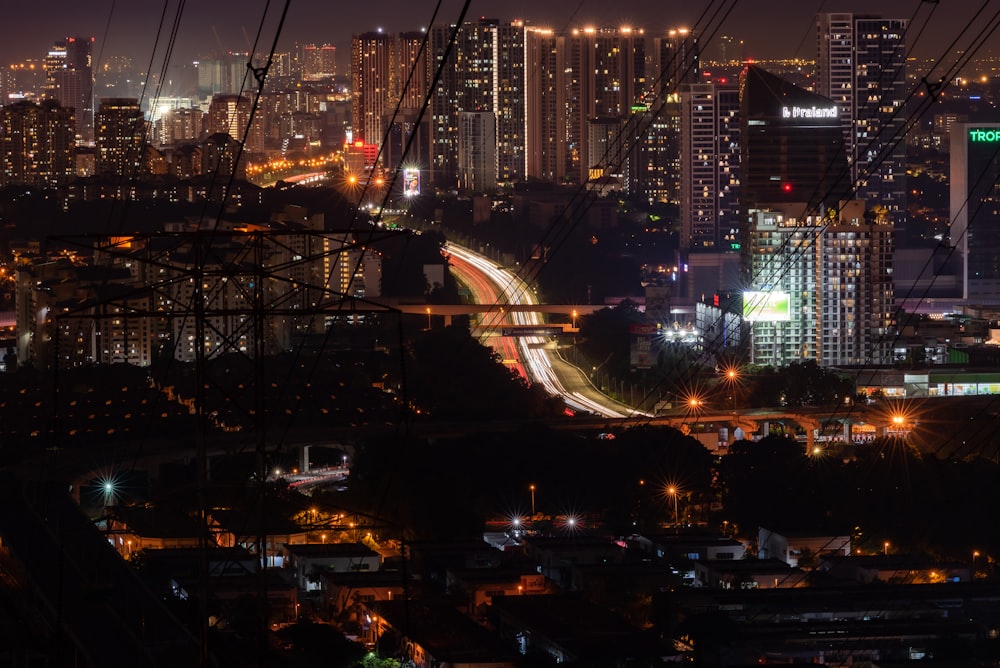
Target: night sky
(769, 29)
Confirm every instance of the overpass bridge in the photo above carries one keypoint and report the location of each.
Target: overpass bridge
(449, 311)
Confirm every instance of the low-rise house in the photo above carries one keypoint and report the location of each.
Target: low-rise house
(307, 562)
(569, 628)
(344, 593)
(556, 557)
(794, 547)
(748, 574)
(241, 528)
(135, 528)
(434, 636)
(894, 569)
(478, 587)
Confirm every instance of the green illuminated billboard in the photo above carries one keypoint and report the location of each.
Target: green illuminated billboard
(772, 306)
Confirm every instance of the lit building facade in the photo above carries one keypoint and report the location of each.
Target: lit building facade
(231, 114)
(975, 208)
(373, 85)
(69, 79)
(319, 61)
(710, 168)
(862, 67)
(484, 73)
(36, 144)
(607, 76)
(119, 131)
(817, 270)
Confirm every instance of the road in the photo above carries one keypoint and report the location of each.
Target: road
(532, 356)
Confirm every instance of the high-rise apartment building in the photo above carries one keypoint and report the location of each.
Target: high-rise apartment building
(607, 76)
(373, 84)
(861, 63)
(826, 291)
(546, 142)
(710, 167)
(477, 145)
(36, 144)
(231, 114)
(119, 131)
(484, 73)
(319, 61)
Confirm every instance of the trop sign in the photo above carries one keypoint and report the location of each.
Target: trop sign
(981, 135)
(809, 112)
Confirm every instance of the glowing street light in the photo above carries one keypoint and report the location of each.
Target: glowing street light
(672, 491)
(532, 489)
(428, 318)
(574, 318)
(885, 548)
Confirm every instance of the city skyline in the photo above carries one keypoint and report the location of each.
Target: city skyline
(225, 26)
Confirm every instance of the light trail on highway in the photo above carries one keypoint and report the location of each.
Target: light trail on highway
(509, 290)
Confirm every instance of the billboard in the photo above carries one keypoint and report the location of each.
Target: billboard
(771, 306)
(411, 182)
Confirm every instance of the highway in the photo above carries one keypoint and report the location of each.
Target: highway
(528, 355)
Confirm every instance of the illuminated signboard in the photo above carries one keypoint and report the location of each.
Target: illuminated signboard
(809, 112)
(411, 182)
(984, 135)
(770, 306)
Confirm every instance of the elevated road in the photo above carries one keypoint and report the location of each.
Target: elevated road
(512, 302)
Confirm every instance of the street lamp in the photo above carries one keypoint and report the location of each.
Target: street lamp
(574, 318)
(732, 377)
(428, 318)
(532, 489)
(885, 548)
(672, 491)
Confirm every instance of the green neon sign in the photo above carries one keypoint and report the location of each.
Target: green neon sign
(980, 135)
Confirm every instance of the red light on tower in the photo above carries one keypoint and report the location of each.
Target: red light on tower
(787, 187)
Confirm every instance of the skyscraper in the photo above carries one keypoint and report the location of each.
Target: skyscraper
(69, 79)
(862, 67)
(817, 268)
(373, 84)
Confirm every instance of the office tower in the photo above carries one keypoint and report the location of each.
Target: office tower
(231, 114)
(373, 85)
(119, 131)
(710, 168)
(319, 62)
(69, 79)
(607, 77)
(36, 144)
(546, 139)
(485, 72)
(818, 269)
(862, 68)
(792, 147)
(975, 208)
